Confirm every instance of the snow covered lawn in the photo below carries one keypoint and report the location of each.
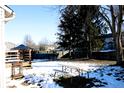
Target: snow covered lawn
(41, 75)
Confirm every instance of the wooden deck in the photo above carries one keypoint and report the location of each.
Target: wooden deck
(17, 61)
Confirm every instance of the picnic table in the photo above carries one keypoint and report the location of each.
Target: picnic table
(72, 70)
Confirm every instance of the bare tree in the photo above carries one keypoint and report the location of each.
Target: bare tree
(42, 45)
(29, 42)
(113, 15)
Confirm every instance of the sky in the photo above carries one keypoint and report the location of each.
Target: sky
(38, 21)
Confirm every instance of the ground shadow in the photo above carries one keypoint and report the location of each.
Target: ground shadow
(79, 82)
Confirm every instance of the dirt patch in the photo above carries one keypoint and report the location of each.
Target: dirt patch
(92, 61)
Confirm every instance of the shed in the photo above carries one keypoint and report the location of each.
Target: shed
(25, 52)
(19, 57)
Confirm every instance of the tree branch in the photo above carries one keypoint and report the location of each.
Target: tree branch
(108, 22)
(105, 8)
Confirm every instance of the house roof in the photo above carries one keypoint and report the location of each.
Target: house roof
(21, 47)
(9, 13)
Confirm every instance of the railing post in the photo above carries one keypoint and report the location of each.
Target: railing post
(2, 49)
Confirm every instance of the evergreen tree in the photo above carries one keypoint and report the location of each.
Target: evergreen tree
(79, 26)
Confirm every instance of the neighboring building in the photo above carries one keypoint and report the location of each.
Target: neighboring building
(108, 49)
(109, 43)
(50, 48)
(9, 46)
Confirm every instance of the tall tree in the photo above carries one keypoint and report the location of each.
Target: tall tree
(93, 26)
(79, 25)
(72, 35)
(113, 15)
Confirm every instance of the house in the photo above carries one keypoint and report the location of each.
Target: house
(108, 49)
(109, 43)
(6, 14)
(50, 48)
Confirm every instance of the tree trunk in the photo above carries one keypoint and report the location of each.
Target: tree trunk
(119, 52)
(70, 53)
(90, 47)
(118, 38)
